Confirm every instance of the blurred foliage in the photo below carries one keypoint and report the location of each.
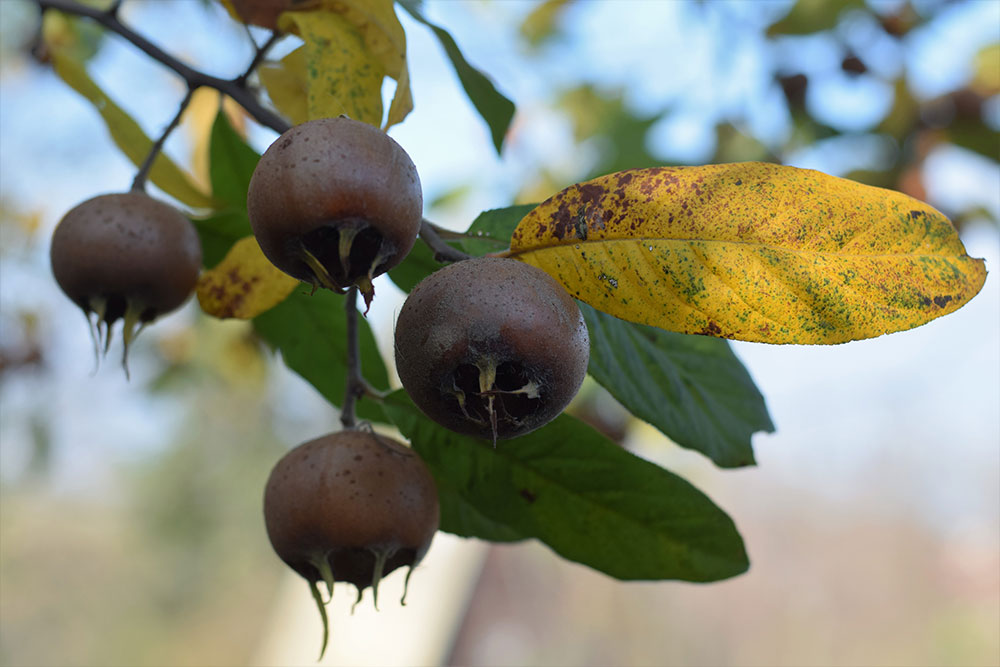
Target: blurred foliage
(616, 136)
(542, 23)
(166, 565)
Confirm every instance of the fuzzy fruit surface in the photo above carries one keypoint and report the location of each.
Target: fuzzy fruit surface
(126, 251)
(335, 202)
(491, 347)
(348, 497)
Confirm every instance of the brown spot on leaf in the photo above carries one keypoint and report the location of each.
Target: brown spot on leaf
(591, 194)
(528, 495)
(563, 222)
(710, 329)
(942, 301)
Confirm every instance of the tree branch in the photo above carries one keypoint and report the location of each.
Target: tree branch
(258, 57)
(139, 184)
(234, 88)
(442, 251)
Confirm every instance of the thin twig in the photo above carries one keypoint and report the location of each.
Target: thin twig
(259, 55)
(139, 184)
(355, 383)
(442, 251)
(234, 88)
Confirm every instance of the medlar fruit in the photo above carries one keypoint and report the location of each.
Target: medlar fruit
(350, 506)
(125, 256)
(335, 202)
(265, 13)
(491, 347)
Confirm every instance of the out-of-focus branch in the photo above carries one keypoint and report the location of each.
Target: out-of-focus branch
(234, 88)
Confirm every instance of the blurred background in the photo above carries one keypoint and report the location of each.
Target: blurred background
(130, 523)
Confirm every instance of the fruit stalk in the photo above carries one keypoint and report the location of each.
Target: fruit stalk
(442, 251)
(355, 382)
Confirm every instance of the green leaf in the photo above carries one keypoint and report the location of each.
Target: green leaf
(417, 265)
(809, 16)
(463, 519)
(231, 164)
(310, 331)
(975, 135)
(219, 232)
(692, 388)
(588, 499)
(493, 106)
(491, 230)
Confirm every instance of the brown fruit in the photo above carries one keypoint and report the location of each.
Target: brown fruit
(491, 347)
(350, 506)
(125, 256)
(335, 202)
(264, 13)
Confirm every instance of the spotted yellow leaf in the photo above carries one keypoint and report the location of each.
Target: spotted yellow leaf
(385, 40)
(751, 251)
(342, 75)
(244, 284)
(287, 84)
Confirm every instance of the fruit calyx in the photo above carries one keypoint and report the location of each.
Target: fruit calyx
(343, 253)
(491, 393)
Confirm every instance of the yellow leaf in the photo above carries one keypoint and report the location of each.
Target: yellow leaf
(287, 85)
(198, 119)
(402, 100)
(751, 251)
(986, 70)
(128, 136)
(385, 40)
(343, 76)
(244, 284)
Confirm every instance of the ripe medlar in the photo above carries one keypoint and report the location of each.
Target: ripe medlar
(335, 202)
(350, 506)
(491, 347)
(125, 256)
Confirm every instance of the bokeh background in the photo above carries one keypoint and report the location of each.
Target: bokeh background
(130, 526)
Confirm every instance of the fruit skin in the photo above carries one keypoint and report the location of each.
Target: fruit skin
(264, 13)
(325, 180)
(491, 328)
(347, 497)
(132, 250)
